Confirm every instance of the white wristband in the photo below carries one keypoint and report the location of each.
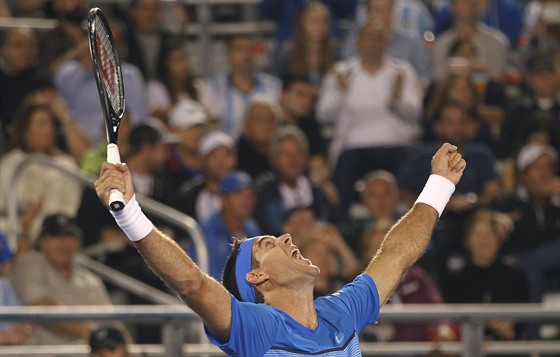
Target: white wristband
(132, 221)
(436, 192)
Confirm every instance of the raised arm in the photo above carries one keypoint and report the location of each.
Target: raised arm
(408, 238)
(207, 297)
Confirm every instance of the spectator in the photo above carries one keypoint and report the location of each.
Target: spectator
(227, 94)
(312, 51)
(289, 187)
(503, 15)
(19, 75)
(371, 132)
(11, 333)
(234, 219)
(188, 121)
(200, 197)
(484, 278)
(145, 37)
(542, 25)
(460, 88)
(491, 44)
(75, 81)
(67, 41)
(260, 124)
(49, 277)
(46, 188)
(402, 45)
(540, 109)
(298, 108)
(174, 81)
(108, 342)
(477, 188)
(380, 196)
(410, 17)
(533, 207)
(282, 12)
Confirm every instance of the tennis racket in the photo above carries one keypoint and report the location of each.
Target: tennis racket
(107, 69)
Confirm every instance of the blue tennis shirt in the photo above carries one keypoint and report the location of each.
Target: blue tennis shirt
(261, 330)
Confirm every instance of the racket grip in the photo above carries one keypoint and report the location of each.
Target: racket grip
(116, 198)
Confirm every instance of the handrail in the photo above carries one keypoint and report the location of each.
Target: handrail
(466, 313)
(157, 209)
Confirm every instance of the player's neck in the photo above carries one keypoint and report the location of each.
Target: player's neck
(298, 303)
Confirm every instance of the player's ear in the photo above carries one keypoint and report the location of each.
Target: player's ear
(256, 277)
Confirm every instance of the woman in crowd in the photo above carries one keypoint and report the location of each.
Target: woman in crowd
(175, 81)
(312, 51)
(46, 189)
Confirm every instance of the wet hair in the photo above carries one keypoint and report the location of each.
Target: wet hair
(228, 275)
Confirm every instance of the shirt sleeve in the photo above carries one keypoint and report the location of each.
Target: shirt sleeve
(253, 329)
(359, 300)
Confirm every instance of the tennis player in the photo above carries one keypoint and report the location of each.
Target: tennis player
(265, 306)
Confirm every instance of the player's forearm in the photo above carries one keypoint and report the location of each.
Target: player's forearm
(402, 247)
(170, 262)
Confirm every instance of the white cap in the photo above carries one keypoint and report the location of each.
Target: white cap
(186, 114)
(531, 152)
(214, 140)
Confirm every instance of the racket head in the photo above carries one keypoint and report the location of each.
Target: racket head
(107, 70)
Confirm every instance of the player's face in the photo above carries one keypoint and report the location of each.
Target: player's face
(282, 260)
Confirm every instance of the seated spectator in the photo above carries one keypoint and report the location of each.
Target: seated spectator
(298, 108)
(200, 198)
(403, 44)
(46, 188)
(371, 132)
(461, 88)
(282, 12)
(312, 50)
(542, 25)
(416, 287)
(11, 333)
(380, 197)
(75, 82)
(49, 277)
(289, 187)
(503, 15)
(19, 74)
(108, 342)
(188, 121)
(174, 81)
(145, 37)
(67, 41)
(260, 124)
(540, 107)
(492, 46)
(484, 278)
(477, 187)
(533, 207)
(228, 94)
(234, 219)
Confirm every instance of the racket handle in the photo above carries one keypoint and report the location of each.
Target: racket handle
(116, 198)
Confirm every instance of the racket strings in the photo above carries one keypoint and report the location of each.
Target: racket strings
(108, 66)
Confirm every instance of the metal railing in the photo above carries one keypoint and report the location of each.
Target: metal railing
(169, 215)
(471, 316)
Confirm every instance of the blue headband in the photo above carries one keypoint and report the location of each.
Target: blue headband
(242, 267)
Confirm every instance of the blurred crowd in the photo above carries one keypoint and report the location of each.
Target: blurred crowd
(330, 140)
